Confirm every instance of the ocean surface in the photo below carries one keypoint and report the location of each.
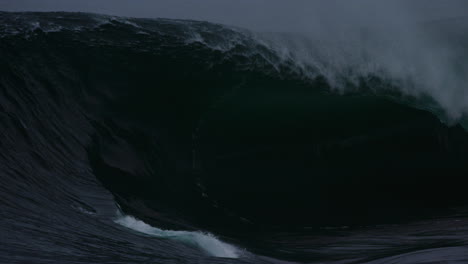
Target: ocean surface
(129, 140)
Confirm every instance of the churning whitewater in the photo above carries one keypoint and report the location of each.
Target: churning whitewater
(206, 242)
(216, 144)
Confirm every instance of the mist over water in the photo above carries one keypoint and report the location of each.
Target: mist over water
(418, 63)
(348, 42)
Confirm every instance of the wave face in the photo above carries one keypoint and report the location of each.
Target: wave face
(283, 147)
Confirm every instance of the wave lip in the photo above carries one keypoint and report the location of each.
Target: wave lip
(205, 241)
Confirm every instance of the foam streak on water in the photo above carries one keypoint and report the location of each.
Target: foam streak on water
(205, 241)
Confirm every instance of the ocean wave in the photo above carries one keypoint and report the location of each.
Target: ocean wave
(261, 139)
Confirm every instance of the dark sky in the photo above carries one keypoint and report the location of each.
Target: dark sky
(262, 14)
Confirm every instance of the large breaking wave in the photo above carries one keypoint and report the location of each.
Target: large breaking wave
(277, 143)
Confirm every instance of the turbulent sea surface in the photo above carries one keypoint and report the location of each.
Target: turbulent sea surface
(169, 141)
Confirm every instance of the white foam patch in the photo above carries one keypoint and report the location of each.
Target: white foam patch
(205, 241)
